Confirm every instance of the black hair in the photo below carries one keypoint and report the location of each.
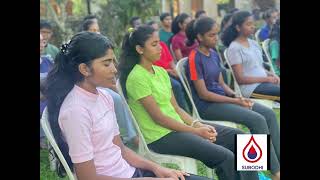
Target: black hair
(267, 14)
(199, 13)
(191, 36)
(129, 56)
(164, 15)
(178, 19)
(151, 22)
(231, 32)
(256, 14)
(200, 26)
(133, 19)
(45, 24)
(275, 32)
(86, 24)
(84, 47)
(225, 20)
(88, 17)
(234, 10)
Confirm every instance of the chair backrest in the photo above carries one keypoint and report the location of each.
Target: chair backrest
(172, 53)
(256, 35)
(181, 67)
(185, 163)
(235, 83)
(142, 142)
(48, 132)
(265, 47)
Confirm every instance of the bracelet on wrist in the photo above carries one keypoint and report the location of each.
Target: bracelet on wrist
(194, 122)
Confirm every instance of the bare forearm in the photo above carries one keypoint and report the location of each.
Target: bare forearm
(172, 124)
(178, 54)
(101, 177)
(251, 80)
(87, 171)
(228, 90)
(172, 65)
(184, 116)
(241, 79)
(269, 73)
(213, 97)
(137, 161)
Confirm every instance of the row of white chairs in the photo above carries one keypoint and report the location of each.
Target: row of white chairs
(184, 163)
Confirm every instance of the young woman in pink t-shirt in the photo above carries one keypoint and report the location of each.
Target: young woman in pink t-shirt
(82, 116)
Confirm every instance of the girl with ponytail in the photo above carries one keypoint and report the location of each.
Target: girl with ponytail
(215, 100)
(246, 60)
(82, 116)
(179, 39)
(162, 122)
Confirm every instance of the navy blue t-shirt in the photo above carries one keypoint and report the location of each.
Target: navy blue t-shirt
(45, 67)
(200, 66)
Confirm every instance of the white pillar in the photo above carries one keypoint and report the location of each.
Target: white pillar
(211, 7)
(185, 6)
(243, 5)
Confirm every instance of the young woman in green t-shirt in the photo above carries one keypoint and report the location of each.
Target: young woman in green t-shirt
(165, 126)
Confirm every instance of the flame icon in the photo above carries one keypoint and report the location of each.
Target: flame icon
(252, 153)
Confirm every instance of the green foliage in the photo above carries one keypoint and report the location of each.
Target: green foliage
(79, 7)
(45, 172)
(65, 26)
(116, 15)
(223, 1)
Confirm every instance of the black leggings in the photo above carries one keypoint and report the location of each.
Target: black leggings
(218, 155)
(146, 173)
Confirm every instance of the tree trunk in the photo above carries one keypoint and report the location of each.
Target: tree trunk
(60, 19)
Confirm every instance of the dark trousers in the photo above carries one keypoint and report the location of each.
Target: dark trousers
(218, 155)
(259, 120)
(146, 173)
(179, 94)
(267, 91)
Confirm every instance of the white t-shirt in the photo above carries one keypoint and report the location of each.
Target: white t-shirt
(251, 60)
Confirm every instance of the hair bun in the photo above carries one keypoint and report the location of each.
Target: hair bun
(64, 47)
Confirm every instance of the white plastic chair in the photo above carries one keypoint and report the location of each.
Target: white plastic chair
(180, 67)
(173, 54)
(185, 163)
(236, 86)
(48, 132)
(256, 36)
(265, 47)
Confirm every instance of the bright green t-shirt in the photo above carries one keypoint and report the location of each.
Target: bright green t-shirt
(142, 83)
(165, 36)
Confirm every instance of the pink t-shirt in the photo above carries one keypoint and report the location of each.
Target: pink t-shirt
(179, 42)
(89, 124)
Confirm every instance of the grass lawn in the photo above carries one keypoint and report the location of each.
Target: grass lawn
(47, 174)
